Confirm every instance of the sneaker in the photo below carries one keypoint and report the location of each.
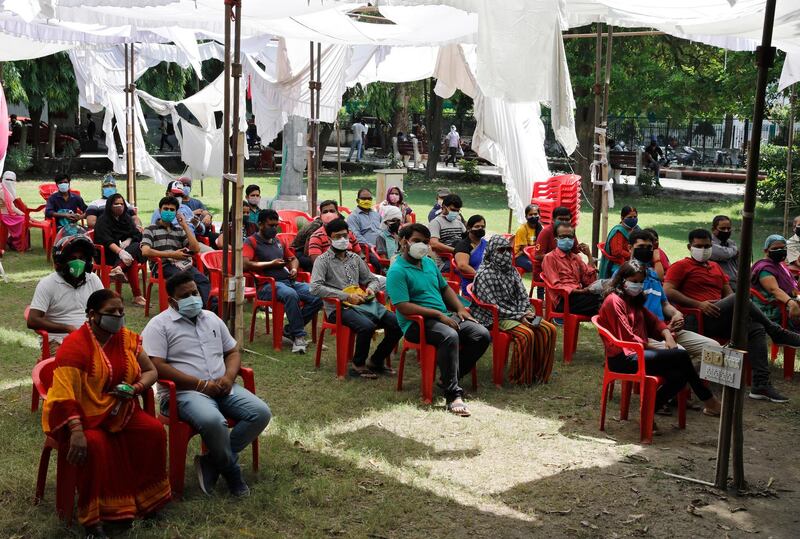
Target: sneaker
(784, 337)
(207, 474)
(300, 345)
(117, 275)
(236, 485)
(767, 393)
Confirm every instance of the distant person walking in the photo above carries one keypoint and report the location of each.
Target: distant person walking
(359, 140)
(453, 140)
(164, 129)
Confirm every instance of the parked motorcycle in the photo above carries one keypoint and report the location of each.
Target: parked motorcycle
(689, 156)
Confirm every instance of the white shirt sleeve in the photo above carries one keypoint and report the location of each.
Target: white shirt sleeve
(42, 296)
(154, 339)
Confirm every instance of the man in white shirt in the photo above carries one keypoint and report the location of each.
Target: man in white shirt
(453, 140)
(194, 349)
(359, 140)
(59, 302)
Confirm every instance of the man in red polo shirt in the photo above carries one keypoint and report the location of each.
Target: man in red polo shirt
(566, 271)
(699, 283)
(546, 242)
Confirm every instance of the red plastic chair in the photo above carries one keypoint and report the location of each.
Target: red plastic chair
(426, 355)
(345, 339)
(647, 386)
(286, 238)
(46, 226)
(212, 261)
(288, 227)
(66, 473)
(530, 252)
(450, 259)
(788, 353)
(292, 215)
(344, 209)
(158, 280)
(572, 322)
(277, 309)
(44, 355)
(180, 432)
(385, 262)
(103, 269)
(608, 256)
(500, 339)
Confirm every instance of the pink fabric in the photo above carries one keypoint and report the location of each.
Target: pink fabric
(3, 127)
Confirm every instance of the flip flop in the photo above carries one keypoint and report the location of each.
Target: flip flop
(710, 413)
(366, 374)
(381, 369)
(458, 408)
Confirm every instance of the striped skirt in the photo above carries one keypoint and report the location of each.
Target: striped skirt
(532, 353)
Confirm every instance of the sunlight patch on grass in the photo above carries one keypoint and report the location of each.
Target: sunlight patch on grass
(14, 337)
(11, 384)
(27, 276)
(471, 461)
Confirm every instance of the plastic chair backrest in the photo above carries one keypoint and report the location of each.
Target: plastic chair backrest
(344, 209)
(47, 189)
(286, 238)
(292, 215)
(43, 375)
(213, 260)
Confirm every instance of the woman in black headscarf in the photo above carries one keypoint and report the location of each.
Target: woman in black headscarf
(120, 237)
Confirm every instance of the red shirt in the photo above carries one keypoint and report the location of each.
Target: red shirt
(664, 260)
(567, 271)
(701, 282)
(628, 323)
(319, 242)
(619, 247)
(546, 242)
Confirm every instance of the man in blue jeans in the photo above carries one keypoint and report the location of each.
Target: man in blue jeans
(193, 348)
(265, 255)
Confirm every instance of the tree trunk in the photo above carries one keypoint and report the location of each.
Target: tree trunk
(584, 129)
(434, 131)
(38, 157)
(727, 133)
(325, 132)
(400, 117)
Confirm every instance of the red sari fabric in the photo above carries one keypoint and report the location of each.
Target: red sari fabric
(125, 473)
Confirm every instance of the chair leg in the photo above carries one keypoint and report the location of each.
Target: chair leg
(625, 400)
(400, 369)
(147, 292)
(788, 362)
(683, 396)
(178, 445)
(342, 348)
(773, 352)
(253, 321)
(34, 399)
(277, 326)
(603, 403)
(41, 477)
(428, 364)
(320, 342)
(569, 329)
(648, 409)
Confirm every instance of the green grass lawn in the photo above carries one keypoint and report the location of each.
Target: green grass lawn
(360, 459)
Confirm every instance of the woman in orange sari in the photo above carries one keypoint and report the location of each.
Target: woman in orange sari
(119, 449)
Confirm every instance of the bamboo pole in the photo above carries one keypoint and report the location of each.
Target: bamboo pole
(597, 191)
(339, 159)
(128, 128)
(226, 162)
(235, 230)
(733, 399)
(635, 33)
(134, 122)
(320, 151)
(790, 143)
(312, 167)
(238, 318)
(603, 138)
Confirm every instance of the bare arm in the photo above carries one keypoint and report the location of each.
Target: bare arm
(727, 290)
(679, 297)
(182, 380)
(462, 263)
(38, 320)
(149, 373)
(440, 247)
(233, 362)
(408, 309)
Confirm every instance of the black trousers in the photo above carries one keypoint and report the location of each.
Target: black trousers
(364, 327)
(587, 304)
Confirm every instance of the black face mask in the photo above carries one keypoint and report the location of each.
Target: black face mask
(478, 233)
(269, 232)
(643, 254)
(394, 227)
(778, 255)
(797, 231)
(723, 236)
(533, 221)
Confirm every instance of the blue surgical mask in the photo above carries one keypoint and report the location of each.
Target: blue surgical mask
(63, 187)
(108, 191)
(565, 244)
(452, 216)
(190, 306)
(631, 222)
(168, 215)
(186, 190)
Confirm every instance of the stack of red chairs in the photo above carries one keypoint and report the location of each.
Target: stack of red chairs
(563, 190)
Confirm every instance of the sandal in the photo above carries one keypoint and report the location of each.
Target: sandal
(139, 301)
(457, 407)
(381, 369)
(364, 374)
(664, 410)
(711, 413)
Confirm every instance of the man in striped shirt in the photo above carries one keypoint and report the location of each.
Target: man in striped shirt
(173, 245)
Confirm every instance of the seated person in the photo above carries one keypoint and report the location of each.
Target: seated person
(319, 242)
(617, 245)
(660, 259)
(175, 189)
(447, 228)
(328, 211)
(793, 247)
(120, 450)
(174, 245)
(395, 197)
(566, 271)
(387, 242)
(437, 208)
(65, 207)
(249, 224)
(546, 242)
(533, 340)
(526, 237)
(469, 251)
(121, 239)
(265, 255)
(723, 249)
(624, 315)
(193, 348)
(12, 216)
(416, 287)
(772, 279)
(335, 273)
(97, 207)
(253, 197)
(59, 302)
(701, 284)
(364, 222)
(655, 299)
(201, 215)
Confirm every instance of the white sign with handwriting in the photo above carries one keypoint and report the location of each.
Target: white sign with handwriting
(722, 365)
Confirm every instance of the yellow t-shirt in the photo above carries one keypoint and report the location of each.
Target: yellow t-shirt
(525, 237)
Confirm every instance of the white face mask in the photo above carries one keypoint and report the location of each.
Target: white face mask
(701, 254)
(340, 244)
(418, 250)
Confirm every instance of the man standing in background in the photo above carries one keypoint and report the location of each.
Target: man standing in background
(359, 139)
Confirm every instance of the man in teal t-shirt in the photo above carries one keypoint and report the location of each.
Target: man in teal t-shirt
(416, 287)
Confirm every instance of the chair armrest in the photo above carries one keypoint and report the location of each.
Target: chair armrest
(149, 401)
(248, 378)
(303, 277)
(173, 400)
(102, 252)
(489, 307)
(261, 280)
(420, 321)
(338, 304)
(537, 306)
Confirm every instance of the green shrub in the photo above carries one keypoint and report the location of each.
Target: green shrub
(649, 185)
(470, 168)
(772, 189)
(19, 160)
